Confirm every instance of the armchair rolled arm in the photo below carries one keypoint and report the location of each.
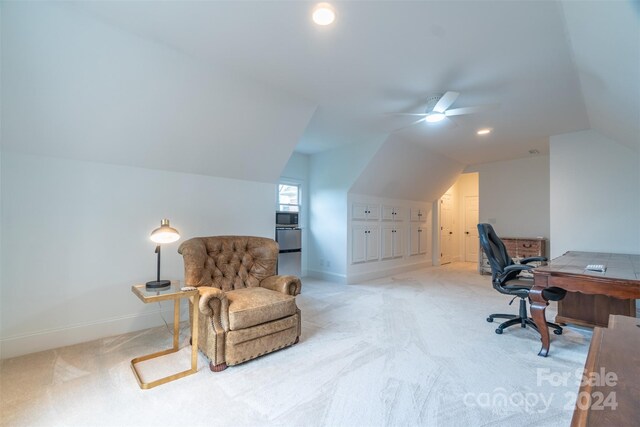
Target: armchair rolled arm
(288, 285)
(214, 303)
(532, 259)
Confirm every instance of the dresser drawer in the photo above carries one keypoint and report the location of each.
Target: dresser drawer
(511, 246)
(529, 244)
(524, 253)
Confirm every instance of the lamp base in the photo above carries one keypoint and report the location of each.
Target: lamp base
(158, 284)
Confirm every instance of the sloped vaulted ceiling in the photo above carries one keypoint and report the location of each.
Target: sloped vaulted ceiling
(76, 88)
(404, 170)
(148, 83)
(605, 41)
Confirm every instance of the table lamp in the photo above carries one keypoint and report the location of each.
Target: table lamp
(163, 234)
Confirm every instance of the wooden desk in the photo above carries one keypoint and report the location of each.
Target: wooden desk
(621, 280)
(611, 381)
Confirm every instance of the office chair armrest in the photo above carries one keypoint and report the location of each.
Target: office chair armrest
(532, 259)
(516, 267)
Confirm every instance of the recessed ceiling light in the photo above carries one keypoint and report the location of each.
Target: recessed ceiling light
(484, 131)
(323, 14)
(435, 117)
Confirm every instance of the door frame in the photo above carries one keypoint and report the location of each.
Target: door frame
(464, 207)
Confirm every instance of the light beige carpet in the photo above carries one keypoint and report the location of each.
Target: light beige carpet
(413, 349)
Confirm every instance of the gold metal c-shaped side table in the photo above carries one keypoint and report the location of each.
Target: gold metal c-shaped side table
(172, 293)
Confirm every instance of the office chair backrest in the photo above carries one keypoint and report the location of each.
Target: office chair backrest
(494, 249)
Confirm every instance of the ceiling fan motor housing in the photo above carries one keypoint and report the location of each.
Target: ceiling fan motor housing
(432, 100)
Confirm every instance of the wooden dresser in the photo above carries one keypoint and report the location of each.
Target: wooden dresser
(518, 247)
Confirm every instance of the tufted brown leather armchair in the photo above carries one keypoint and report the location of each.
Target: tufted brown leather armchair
(245, 309)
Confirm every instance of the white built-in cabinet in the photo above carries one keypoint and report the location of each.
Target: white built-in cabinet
(392, 241)
(365, 211)
(418, 239)
(392, 213)
(365, 242)
(379, 231)
(418, 214)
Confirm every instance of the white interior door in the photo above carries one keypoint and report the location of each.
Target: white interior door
(471, 228)
(446, 229)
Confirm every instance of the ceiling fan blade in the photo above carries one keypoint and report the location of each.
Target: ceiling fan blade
(408, 126)
(470, 110)
(445, 102)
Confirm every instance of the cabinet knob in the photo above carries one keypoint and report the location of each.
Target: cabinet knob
(466, 232)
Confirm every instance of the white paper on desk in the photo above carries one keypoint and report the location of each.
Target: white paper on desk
(596, 267)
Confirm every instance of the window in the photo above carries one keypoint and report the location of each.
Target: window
(289, 197)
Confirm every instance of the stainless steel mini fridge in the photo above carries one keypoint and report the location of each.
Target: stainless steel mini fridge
(290, 256)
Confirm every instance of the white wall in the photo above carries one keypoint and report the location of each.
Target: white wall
(330, 176)
(297, 170)
(514, 196)
(78, 234)
(76, 88)
(595, 194)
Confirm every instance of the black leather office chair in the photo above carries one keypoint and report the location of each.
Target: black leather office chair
(505, 276)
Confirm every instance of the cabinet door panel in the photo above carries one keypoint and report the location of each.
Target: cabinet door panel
(358, 243)
(387, 242)
(398, 242)
(422, 236)
(387, 213)
(418, 214)
(358, 211)
(373, 244)
(399, 214)
(373, 212)
(414, 240)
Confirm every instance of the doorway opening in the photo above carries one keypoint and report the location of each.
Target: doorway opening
(458, 211)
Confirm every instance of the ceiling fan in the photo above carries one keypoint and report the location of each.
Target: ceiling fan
(438, 109)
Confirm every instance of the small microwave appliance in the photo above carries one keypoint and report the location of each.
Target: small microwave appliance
(287, 219)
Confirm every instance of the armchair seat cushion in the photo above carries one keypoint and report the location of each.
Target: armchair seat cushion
(253, 306)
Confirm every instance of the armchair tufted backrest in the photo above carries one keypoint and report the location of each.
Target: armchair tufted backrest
(228, 262)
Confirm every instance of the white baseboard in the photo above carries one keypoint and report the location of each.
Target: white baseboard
(363, 277)
(329, 276)
(76, 334)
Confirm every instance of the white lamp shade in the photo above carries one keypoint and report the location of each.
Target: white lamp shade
(165, 233)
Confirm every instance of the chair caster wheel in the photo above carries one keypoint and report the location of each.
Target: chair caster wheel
(490, 319)
(499, 331)
(557, 332)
